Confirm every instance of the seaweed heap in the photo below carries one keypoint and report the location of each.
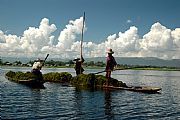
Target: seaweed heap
(86, 80)
(92, 80)
(21, 76)
(57, 77)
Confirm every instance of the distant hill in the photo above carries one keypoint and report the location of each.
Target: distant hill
(120, 60)
(141, 61)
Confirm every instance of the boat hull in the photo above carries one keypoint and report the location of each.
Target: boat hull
(136, 89)
(34, 83)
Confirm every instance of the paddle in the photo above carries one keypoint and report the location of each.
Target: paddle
(45, 59)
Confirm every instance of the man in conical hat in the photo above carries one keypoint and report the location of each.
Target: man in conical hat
(36, 68)
(37, 64)
(78, 65)
(110, 64)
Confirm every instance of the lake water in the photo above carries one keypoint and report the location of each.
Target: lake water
(69, 103)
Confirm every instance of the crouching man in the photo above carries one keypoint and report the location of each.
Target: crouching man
(36, 68)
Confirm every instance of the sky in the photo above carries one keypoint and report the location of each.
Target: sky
(132, 28)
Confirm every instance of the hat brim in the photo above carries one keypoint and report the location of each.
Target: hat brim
(76, 59)
(110, 52)
(39, 60)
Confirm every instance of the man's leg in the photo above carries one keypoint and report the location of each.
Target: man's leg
(108, 77)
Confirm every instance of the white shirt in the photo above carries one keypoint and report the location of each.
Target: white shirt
(37, 65)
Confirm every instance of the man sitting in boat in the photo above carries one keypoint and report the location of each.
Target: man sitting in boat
(78, 65)
(110, 64)
(36, 68)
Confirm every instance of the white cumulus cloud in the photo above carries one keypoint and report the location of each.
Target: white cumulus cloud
(159, 42)
(34, 39)
(68, 36)
(124, 44)
(31, 42)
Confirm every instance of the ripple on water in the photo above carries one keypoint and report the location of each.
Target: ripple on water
(62, 102)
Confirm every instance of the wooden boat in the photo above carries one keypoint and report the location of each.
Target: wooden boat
(136, 89)
(34, 83)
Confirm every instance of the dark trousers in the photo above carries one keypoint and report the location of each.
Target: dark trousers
(37, 73)
(108, 76)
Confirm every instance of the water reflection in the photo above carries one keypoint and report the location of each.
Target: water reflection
(107, 103)
(67, 102)
(78, 102)
(35, 102)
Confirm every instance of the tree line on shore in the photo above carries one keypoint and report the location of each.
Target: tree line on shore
(52, 63)
(70, 63)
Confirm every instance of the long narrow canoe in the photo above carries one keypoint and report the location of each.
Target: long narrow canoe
(34, 83)
(136, 89)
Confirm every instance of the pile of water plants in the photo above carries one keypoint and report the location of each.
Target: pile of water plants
(21, 75)
(92, 80)
(57, 77)
(86, 80)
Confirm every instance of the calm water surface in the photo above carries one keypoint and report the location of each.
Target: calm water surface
(62, 102)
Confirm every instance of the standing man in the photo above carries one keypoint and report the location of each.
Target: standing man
(110, 64)
(78, 65)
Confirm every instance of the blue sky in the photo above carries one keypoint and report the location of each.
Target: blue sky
(103, 17)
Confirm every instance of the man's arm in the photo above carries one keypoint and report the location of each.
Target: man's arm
(82, 59)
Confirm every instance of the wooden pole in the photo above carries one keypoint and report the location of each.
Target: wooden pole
(82, 35)
(81, 52)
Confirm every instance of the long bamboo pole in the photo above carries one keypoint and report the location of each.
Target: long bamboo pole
(82, 35)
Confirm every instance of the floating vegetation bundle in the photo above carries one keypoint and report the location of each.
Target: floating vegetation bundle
(21, 76)
(86, 80)
(57, 77)
(93, 80)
